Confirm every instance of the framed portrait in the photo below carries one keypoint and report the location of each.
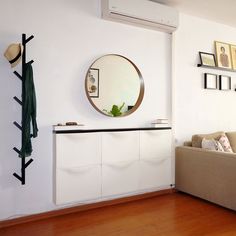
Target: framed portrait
(210, 81)
(225, 82)
(223, 55)
(233, 56)
(207, 59)
(93, 82)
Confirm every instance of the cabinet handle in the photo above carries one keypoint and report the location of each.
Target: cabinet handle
(74, 137)
(122, 134)
(156, 160)
(157, 133)
(77, 170)
(119, 165)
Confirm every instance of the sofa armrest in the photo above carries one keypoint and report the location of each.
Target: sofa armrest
(210, 175)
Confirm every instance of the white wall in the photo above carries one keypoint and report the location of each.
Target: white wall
(197, 110)
(69, 36)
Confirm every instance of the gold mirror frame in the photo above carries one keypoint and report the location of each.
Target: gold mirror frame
(141, 91)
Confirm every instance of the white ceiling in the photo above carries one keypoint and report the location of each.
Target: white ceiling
(221, 11)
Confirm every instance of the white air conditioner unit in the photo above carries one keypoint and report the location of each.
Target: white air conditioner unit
(143, 13)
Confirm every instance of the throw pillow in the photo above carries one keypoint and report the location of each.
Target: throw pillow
(211, 144)
(232, 140)
(219, 147)
(224, 141)
(197, 138)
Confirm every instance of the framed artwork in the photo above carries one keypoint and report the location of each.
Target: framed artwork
(225, 82)
(207, 59)
(233, 56)
(223, 55)
(210, 81)
(93, 82)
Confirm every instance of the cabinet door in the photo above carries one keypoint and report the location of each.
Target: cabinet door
(120, 146)
(74, 150)
(78, 184)
(155, 173)
(155, 159)
(155, 144)
(120, 178)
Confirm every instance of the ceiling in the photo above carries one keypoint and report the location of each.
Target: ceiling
(216, 10)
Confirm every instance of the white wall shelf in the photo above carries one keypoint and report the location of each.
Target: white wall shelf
(85, 129)
(216, 68)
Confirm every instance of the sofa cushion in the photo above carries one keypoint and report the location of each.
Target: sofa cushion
(197, 138)
(212, 144)
(224, 141)
(232, 139)
(188, 143)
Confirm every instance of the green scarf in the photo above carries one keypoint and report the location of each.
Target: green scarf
(28, 112)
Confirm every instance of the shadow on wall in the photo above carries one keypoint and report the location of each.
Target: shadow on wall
(92, 8)
(17, 199)
(10, 111)
(10, 162)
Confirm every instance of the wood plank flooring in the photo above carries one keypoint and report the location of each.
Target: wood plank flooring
(171, 214)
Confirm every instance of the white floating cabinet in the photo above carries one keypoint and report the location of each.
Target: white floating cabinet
(155, 159)
(155, 144)
(155, 173)
(92, 165)
(120, 146)
(80, 149)
(120, 178)
(77, 167)
(78, 184)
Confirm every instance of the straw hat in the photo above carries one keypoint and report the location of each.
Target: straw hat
(13, 53)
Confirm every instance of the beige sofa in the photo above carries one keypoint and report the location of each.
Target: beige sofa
(210, 175)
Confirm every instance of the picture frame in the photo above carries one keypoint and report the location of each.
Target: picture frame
(233, 55)
(93, 82)
(224, 82)
(207, 59)
(223, 55)
(210, 81)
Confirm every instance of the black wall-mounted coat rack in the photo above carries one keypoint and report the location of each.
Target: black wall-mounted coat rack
(24, 163)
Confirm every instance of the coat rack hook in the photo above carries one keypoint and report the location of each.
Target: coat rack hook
(28, 39)
(30, 62)
(17, 150)
(28, 163)
(17, 176)
(17, 100)
(18, 75)
(17, 125)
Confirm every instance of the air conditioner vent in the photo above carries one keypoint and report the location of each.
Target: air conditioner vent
(141, 13)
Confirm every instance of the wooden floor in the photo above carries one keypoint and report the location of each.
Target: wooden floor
(172, 214)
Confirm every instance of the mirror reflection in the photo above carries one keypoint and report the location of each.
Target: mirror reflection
(114, 85)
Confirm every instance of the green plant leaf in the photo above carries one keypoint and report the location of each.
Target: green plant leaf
(115, 111)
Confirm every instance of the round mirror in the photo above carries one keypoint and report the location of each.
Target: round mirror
(114, 85)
